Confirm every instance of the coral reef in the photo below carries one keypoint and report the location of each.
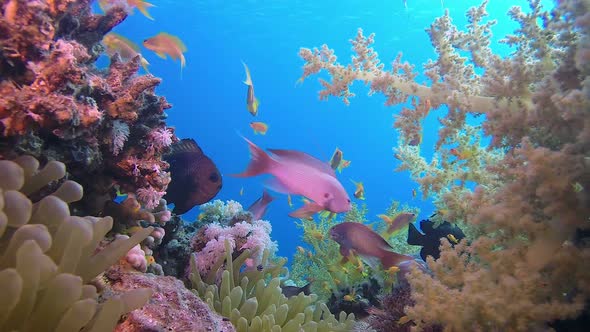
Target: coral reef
(333, 280)
(106, 126)
(253, 304)
(47, 254)
(172, 307)
(525, 268)
(208, 242)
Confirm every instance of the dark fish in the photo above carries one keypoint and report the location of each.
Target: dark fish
(363, 241)
(195, 178)
(430, 237)
(259, 207)
(289, 291)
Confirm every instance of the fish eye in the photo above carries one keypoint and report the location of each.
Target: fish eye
(348, 200)
(213, 177)
(326, 195)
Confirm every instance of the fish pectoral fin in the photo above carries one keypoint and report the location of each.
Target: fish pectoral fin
(307, 210)
(275, 184)
(161, 55)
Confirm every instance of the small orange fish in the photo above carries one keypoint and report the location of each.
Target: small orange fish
(166, 44)
(359, 192)
(127, 50)
(397, 223)
(463, 154)
(413, 193)
(289, 201)
(259, 127)
(351, 297)
(251, 100)
(141, 5)
(344, 164)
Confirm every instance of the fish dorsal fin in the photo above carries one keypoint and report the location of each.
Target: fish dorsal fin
(185, 145)
(415, 238)
(304, 158)
(175, 40)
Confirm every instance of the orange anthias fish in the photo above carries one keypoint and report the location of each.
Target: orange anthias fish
(127, 50)
(165, 43)
(259, 127)
(397, 223)
(251, 100)
(141, 5)
(359, 192)
(354, 237)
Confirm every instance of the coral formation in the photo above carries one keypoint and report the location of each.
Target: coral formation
(352, 286)
(106, 126)
(173, 307)
(208, 242)
(530, 201)
(253, 304)
(47, 254)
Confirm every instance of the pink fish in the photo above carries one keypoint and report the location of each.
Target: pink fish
(300, 174)
(354, 237)
(258, 208)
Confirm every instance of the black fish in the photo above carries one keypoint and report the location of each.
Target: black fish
(430, 237)
(195, 178)
(289, 291)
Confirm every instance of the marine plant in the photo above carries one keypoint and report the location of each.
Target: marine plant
(529, 196)
(323, 265)
(252, 303)
(48, 257)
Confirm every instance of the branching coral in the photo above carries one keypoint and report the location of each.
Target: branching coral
(252, 304)
(46, 254)
(527, 268)
(56, 105)
(322, 263)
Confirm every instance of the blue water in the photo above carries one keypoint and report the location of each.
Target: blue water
(209, 101)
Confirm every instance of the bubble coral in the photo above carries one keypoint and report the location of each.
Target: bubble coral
(47, 257)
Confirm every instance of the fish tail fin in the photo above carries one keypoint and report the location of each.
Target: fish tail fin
(182, 64)
(390, 259)
(142, 6)
(266, 197)
(260, 161)
(248, 80)
(144, 63)
(414, 236)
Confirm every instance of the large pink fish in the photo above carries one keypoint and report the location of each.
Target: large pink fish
(259, 207)
(300, 174)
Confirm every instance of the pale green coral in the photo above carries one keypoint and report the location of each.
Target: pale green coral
(47, 256)
(322, 262)
(253, 304)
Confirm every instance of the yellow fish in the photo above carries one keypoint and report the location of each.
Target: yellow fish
(241, 191)
(289, 201)
(251, 100)
(359, 192)
(452, 238)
